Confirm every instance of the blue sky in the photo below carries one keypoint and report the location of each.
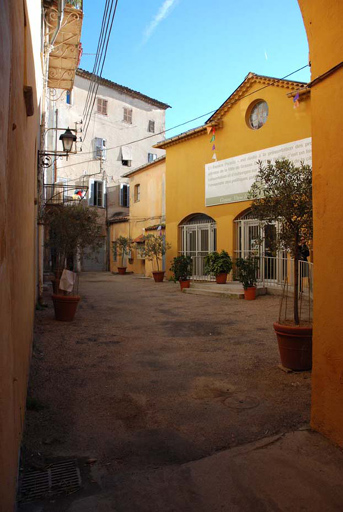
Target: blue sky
(192, 54)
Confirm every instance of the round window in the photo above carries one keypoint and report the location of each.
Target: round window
(258, 115)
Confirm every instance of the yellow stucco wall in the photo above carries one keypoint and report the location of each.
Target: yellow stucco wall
(323, 23)
(148, 211)
(185, 161)
(18, 184)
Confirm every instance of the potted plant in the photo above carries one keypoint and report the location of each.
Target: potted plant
(182, 269)
(282, 192)
(155, 246)
(123, 246)
(247, 274)
(218, 264)
(71, 229)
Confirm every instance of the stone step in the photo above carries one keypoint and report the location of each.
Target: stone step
(228, 290)
(214, 293)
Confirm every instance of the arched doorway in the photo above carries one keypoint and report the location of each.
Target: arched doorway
(198, 237)
(254, 238)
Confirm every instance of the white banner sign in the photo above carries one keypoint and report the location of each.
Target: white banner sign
(229, 181)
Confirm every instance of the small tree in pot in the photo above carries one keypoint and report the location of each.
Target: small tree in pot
(71, 229)
(123, 245)
(182, 267)
(283, 192)
(155, 247)
(247, 269)
(218, 264)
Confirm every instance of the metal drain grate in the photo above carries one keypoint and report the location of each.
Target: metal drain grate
(60, 478)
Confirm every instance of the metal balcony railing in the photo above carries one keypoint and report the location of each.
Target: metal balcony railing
(59, 193)
(77, 4)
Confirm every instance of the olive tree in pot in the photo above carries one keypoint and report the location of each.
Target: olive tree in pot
(182, 267)
(282, 192)
(123, 246)
(247, 269)
(71, 229)
(155, 246)
(218, 264)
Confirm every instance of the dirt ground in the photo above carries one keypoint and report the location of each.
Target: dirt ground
(147, 376)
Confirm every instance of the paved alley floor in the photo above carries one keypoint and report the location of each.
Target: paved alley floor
(148, 389)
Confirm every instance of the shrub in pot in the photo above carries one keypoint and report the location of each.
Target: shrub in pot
(247, 269)
(123, 246)
(182, 267)
(219, 265)
(70, 230)
(282, 192)
(155, 246)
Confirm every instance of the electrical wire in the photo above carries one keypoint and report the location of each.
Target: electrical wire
(108, 33)
(184, 123)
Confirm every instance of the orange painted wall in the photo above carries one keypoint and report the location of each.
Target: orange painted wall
(148, 211)
(18, 134)
(323, 22)
(185, 161)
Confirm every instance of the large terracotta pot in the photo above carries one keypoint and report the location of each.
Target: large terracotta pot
(184, 284)
(121, 270)
(250, 293)
(295, 346)
(221, 278)
(158, 276)
(65, 306)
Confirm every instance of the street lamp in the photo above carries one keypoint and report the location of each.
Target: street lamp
(67, 138)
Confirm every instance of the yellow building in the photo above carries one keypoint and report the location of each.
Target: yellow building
(209, 170)
(147, 215)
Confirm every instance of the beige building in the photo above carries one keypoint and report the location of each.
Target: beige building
(146, 215)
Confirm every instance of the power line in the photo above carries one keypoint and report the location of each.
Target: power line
(185, 122)
(108, 34)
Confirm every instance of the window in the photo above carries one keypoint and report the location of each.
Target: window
(137, 195)
(126, 156)
(151, 127)
(124, 195)
(151, 157)
(68, 97)
(258, 115)
(101, 106)
(98, 193)
(127, 115)
(99, 148)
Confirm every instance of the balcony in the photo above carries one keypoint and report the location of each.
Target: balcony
(60, 194)
(65, 53)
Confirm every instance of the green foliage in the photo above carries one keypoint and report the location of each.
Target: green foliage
(72, 228)
(247, 269)
(218, 263)
(155, 247)
(283, 192)
(123, 246)
(182, 268)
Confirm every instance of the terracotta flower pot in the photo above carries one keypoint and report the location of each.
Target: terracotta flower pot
(158, 276)
(121, 270)
(295, 346)
(65, 306)
(184, 284)
(221, 278)
(250, 293)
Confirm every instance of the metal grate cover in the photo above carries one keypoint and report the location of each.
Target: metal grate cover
(60, 478)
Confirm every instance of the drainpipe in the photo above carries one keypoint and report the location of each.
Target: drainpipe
(60, 15)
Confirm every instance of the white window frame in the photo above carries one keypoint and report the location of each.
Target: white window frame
(152, 157)
(137, 193)
(99, 148)
(91, 197)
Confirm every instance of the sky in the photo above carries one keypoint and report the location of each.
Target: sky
(192, 54)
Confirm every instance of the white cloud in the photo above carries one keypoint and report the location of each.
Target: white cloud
(162, 14)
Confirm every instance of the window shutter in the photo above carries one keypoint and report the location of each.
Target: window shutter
(128, 196)
(91, 193)
(104, 153)
(121, 195)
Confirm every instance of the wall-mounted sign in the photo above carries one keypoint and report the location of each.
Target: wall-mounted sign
(229, 181)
